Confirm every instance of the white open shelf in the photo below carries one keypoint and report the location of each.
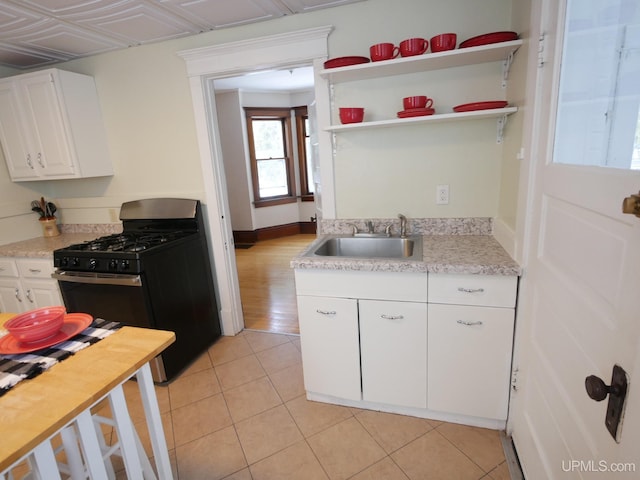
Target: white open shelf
(438, 118)
(421, 63)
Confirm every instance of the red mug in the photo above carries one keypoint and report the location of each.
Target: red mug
(444, 41)
(413, 46)
(383, 51)
(417, 101)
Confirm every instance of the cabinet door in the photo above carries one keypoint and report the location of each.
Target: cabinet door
(469, 358)
(41, 293)
(329, 340)
(15, 143)
(12, 299)
(393, 342)
(44, 111)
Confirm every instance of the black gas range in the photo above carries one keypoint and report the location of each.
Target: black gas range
(155, 274)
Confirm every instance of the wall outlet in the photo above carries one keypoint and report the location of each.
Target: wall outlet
(442, 195)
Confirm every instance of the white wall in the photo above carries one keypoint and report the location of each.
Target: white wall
(232, 135)
(145, 98)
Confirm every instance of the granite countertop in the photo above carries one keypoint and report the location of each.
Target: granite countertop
(463, 254)
(43, 247)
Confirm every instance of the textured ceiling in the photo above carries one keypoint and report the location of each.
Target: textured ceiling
(35, 33)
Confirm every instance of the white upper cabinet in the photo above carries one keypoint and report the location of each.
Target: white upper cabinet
(51, 127)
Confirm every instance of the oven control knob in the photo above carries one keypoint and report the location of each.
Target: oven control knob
(93, 263)
(64, 262)
(75, 261)
(113, 264)
(124, 264)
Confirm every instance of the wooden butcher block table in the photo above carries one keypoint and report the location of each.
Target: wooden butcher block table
(37, 409)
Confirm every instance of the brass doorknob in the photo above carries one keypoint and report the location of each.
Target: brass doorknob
(631, 205)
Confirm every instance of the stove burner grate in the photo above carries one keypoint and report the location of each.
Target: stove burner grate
(128, 241)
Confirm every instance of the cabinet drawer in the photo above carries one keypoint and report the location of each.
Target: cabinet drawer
(481, 290)
(8, 268)
(401, 286)
(35, 268)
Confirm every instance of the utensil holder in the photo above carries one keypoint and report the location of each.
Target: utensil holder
(49, 227)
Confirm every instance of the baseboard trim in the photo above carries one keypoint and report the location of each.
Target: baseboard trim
(511, 456)
(249, 237)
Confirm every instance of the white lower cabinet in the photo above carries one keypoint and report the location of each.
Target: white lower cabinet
(392, 375)
(469, 358)
(26, 283)
(436, 346)
(329, 340)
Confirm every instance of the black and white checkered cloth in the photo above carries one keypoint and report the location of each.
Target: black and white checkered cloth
(15, 368)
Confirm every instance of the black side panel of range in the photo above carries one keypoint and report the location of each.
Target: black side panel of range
(183, 300)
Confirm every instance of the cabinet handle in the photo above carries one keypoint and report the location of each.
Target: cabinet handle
(40, 160)
(468, 323)
(29, 295)
(18, 295)
(470, 290)
(29, 162)
(326, 312)
(35, 270)
(392, 317)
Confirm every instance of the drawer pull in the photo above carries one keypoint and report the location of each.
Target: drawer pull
(392, 317)
(468, 323)
(18, 295)
(35, 270)
(470, 290)
(29, 295)
(326, 312)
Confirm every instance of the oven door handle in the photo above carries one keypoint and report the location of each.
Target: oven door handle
(98, 278)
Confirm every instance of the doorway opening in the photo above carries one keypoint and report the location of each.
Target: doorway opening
(263, 124)
(204, 66)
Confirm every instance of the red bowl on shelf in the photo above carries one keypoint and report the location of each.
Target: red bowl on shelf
(36, 325)
(351, 114)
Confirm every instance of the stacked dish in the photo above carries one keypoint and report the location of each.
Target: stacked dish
(41, 328)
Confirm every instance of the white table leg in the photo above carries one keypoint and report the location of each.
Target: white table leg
(126, 435)
(72, 451)
(154, 422)
(45, 461)
(90, 446)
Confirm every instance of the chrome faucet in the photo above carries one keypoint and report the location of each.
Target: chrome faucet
(369, 224)
(403, 225)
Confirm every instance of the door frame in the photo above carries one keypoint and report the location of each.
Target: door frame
(204, 65)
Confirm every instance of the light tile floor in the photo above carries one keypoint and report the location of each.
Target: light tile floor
(240, 413)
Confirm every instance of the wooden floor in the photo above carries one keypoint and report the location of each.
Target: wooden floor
(267, 287)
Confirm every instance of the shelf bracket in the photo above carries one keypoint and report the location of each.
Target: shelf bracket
(502, 122)
(506, 66)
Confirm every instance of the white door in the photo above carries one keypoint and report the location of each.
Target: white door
(579, 311)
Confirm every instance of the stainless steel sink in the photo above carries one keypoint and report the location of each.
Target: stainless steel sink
(409, 248)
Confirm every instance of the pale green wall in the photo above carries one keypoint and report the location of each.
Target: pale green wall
(145, 98)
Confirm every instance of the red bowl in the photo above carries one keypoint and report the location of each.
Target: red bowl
(36, 325)
(351, 114)
(443, 42)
